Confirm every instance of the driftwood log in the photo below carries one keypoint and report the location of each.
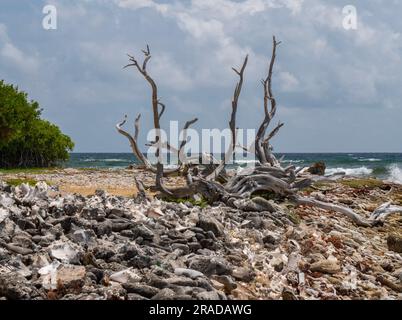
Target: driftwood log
(240, 190)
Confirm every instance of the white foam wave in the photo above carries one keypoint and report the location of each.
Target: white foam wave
(369, 159)
(395, 174)
(105, 160)
(245, 161)
(114, 160)
(361, 171)
(293, 161)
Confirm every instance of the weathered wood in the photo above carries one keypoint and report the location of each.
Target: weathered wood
(360, 221)
(232, 123)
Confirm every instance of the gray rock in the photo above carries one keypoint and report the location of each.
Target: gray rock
(83, 237)
(103, 228)
(164, 294)
(143, 231)
(394, 243)
(243, 274)
(15, 287)
(136, 296)
(210, 224)
(193, 274)
(141, 289)
(210, 265)
(208, 295)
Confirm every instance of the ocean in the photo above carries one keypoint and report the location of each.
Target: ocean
(382, 165)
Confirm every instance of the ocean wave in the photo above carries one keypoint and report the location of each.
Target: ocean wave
(245, 161)
(395, 174)
(115, 160)
(293, 161)
(369, 160)
(105, 160)
(361, 171)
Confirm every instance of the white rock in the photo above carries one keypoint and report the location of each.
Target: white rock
(66, 275)
(155, 213)
(49, 275)
(64, 252)
(6, 201)
(193, 274)
(3, 214)
(124, 276)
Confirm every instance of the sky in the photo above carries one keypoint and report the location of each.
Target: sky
(337, 89)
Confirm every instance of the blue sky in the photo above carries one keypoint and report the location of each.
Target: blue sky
(337, 89)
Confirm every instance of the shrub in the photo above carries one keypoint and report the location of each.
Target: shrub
(26, 140)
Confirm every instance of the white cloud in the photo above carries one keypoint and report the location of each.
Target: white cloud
(169, 73)
(139, 4)
(288, 81)
(16, 57)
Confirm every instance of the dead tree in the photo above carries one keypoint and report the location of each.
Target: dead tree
(239, 190)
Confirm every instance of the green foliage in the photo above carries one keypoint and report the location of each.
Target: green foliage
(26, 140)
(27, 170)
(199, 203)
(368, 183)
(17, 182)
(294, 217)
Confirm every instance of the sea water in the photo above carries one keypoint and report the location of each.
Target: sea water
(382, 165)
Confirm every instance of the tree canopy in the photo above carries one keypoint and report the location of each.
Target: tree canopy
(26, 140)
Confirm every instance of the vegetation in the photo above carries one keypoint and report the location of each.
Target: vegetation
(17, 182)
(199, 203)
(369, 183)
(26, 140)
(26, 170)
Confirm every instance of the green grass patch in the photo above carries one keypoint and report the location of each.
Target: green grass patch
(199, 203)
(31, 182)
(368, 183)
(294, 217)
(27, 170)
(322, 185)
(17, 182)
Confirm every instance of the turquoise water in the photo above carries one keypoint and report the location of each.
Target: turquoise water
(382, 165)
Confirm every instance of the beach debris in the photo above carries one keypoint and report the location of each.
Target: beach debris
(114, 251)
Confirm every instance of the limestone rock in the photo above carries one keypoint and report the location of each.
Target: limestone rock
(325, 266)
(394, 243)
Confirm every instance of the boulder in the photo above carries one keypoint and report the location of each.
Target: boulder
(64, 252)
(394, 243)
(210, 265)
(15, 287)
(325, 266)
(211, 224)
(68, 276)
(317, 168)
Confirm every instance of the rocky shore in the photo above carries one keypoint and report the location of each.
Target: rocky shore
(59, 243)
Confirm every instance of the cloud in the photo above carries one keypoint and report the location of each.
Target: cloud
(16, 57)
(321, 71)
(139, 4)
(288, 81)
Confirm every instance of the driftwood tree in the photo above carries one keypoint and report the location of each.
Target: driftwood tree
(239, 190)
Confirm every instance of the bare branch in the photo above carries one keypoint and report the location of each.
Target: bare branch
(269, 114)
(232, 123)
